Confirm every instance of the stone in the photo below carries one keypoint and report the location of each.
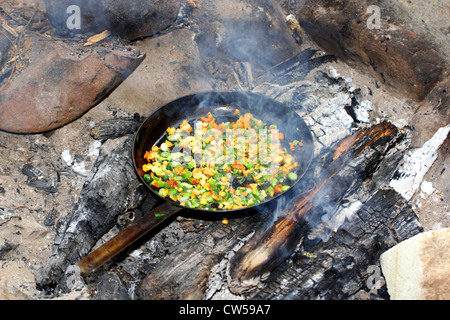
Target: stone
(61, 83)
(130, 19)
(419, 268)
(397, 49)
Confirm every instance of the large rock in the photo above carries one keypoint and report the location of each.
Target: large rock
(130, 19)
(419, 268)
(61, 83)
(399, 52)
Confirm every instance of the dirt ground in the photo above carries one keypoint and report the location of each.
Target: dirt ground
(38, 186)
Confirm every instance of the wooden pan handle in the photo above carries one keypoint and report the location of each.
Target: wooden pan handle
(127, 237)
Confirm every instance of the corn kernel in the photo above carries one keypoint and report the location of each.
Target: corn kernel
(170, 131)
(147, 167)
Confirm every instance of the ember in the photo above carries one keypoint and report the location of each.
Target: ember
(78, 222)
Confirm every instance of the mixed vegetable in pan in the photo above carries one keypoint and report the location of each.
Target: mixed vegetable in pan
(221, 166)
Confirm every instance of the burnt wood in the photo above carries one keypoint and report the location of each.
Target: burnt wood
(347, 266)
(116, 127)
(111, 190)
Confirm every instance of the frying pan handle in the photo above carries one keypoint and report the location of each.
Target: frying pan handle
(126, 237)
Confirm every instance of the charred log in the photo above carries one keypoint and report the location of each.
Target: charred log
(110, 191)
(347, 266)
(116, 127)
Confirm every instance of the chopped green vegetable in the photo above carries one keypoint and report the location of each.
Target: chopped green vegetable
(292, 176)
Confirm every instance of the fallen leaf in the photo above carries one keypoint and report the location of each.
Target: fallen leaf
(98, 37)
(27, 46)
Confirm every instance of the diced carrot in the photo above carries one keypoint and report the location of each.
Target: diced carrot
(278, 189)
(206, 119)
(215, 197)
(172, 183)
(238, 165)
(150, 155)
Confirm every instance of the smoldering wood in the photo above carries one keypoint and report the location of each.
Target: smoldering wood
(110, 191)
(226, 75)
(345, 267)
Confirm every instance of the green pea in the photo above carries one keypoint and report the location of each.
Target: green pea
(292, 176)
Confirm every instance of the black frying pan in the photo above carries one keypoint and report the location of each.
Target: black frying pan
(192, 107)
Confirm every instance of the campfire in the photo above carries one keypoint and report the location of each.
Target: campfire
(360, 103)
